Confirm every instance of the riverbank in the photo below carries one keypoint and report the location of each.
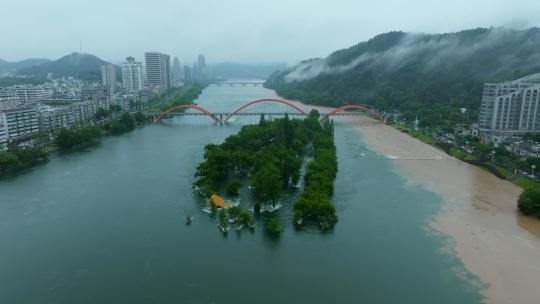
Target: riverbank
(12, 162)
(479, 212)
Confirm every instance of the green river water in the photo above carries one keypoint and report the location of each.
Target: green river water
(106, 225)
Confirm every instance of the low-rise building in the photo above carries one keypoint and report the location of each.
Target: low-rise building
(3, 136)
(27, 93)
(19, 122)
(525, 149)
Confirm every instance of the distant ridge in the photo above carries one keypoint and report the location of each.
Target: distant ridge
(421, 74)
(6, 66)
(80, 65)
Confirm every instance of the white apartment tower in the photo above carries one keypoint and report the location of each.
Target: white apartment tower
(108, 75)
(510, 108)
(132, 75)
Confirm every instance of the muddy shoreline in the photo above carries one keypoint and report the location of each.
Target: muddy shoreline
(478, 212)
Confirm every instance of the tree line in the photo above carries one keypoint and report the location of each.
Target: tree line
(269, 154)
(70, 138)
(314, 203)
(17, 157)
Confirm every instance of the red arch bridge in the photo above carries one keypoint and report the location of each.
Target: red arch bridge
(221, 117)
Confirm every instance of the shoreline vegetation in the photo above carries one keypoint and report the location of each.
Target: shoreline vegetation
(269, 156)
(66, 140)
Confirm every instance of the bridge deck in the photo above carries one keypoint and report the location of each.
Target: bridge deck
(236, 83)
(252, 113)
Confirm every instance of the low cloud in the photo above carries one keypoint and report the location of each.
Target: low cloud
(436, 50)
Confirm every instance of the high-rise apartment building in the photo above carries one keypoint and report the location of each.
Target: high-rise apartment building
(176, 74)
(188, 75)
(108, 75)
(132, 75)
(510, 108)
(158, 69)
(201, 68)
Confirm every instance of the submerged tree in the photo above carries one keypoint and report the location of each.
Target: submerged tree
(267, 184)
(232, 187)
(274, 226)
(222, 218)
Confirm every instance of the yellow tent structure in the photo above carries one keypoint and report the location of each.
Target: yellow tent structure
(218, 201)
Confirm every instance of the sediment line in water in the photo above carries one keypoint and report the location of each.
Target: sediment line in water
(478, 212)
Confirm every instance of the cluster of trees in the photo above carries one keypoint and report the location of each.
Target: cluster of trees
(69, 138)
(274, 225)
(239, 216)
(17, 157)
(529, 202)
(175, 97)
(126, 123)
(314, 203)
(269, 153)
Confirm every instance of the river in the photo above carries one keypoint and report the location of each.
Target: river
(106, 225)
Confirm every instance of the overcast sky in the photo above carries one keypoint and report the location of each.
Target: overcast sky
(235, 30)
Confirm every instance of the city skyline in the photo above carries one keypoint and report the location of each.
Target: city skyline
(249, 37)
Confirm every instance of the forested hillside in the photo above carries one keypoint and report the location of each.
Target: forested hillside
(83, 66)
(431, 76)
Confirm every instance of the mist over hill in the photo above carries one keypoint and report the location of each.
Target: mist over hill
(6, 66)
(83, 66)
(429, 75)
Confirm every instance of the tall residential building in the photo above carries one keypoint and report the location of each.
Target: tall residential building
(201, 68)
(176, 74)
(108, 75)
(158, 69)
(188, 76)
(510, 108)
(132, 75)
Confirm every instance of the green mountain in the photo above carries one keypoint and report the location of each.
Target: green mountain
(431, 76)
(83, 66)
(6, 66)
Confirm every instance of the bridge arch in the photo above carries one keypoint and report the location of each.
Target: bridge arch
(343, 108)
(190, 106)
(285, 102)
